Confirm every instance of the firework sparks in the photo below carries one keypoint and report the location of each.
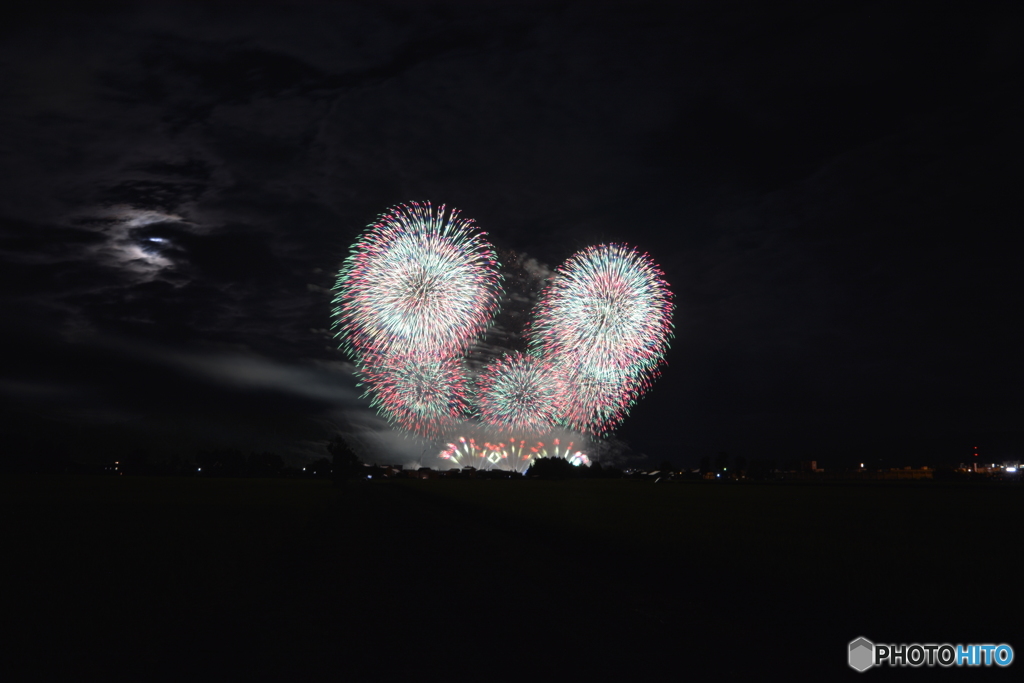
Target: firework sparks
(597, 401)
(520, 393)
(420, 285)
(605, 323)
(517, 455)
(416, 391)
(417, 279)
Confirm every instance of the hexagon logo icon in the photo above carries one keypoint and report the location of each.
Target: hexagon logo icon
(862, 654)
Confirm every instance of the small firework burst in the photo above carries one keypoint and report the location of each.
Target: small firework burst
(520, 393)
(594, 402)
(416, 391)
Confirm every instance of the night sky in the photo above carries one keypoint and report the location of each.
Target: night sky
(832, 190)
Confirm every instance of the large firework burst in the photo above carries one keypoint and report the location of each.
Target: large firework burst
(417, 279)
(605, 322)
(520, 393)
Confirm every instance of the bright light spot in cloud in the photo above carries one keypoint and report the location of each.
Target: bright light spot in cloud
(123, 249)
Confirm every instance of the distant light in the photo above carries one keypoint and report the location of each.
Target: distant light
(1011, 469)
(199, 469)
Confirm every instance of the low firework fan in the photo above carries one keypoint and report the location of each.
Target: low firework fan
(514, 454)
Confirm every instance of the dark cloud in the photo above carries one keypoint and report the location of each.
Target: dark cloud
(151, 194)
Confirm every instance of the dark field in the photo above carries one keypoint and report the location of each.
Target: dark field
(226, 579)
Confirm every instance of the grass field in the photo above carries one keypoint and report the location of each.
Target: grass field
(294, 579)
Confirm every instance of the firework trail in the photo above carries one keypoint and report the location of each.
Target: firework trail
(418, 392)
(605, 323)
(520, 393)
(418, 279)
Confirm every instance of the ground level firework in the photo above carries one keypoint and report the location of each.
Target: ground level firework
(512, 454)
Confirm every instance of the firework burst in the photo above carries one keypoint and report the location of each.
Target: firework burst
(605, 323)
(596, 401)
(520, 393)
(417, 279)
(416, 391)
(421, 285)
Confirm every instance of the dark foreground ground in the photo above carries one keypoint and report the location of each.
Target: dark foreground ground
(207, 579)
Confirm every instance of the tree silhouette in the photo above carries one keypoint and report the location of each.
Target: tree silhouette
(345, 464)
(265, 465)
(739, 466)
(551, 468)
(226, 462)
(722, 462)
